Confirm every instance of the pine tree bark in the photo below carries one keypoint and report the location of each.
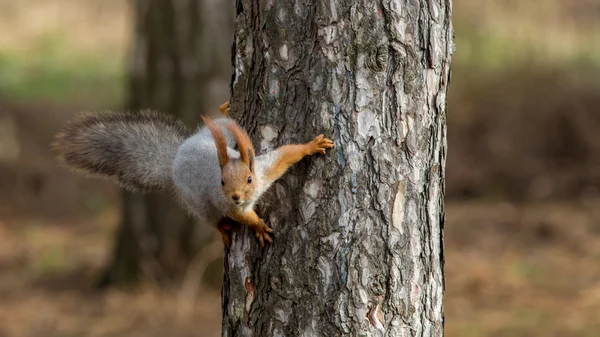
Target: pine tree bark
(358, 233)
(177, 66)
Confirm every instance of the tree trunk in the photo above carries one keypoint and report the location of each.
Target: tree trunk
(358, 233)
(177, 66)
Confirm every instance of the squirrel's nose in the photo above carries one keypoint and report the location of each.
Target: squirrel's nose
(235, 197)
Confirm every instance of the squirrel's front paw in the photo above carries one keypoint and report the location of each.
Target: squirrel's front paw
(320, 145)
(262, 233)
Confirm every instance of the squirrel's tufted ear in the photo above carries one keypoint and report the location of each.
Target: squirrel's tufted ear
(250, 160)
(219, 139)
(243, 141)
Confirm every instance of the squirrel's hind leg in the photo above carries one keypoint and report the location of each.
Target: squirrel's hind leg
(224, 109)
(224, 226)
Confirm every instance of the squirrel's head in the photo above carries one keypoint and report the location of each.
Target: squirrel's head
(238, 180)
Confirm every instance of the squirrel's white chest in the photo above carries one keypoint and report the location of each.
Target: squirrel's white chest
(247, 206)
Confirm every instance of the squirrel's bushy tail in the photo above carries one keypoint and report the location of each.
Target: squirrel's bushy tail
(136, 149)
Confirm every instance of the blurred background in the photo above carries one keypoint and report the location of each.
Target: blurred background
(523, 170)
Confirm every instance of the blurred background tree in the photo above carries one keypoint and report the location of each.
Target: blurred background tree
(178, 64)
(522, 230)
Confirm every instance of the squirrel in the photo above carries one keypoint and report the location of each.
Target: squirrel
(147, 151)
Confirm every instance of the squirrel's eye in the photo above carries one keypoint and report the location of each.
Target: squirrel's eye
(222, 182)
(250, 180)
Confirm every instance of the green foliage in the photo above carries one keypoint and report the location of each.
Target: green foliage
(52, 71)
(53, 260)
(493, 35)
(97, 203)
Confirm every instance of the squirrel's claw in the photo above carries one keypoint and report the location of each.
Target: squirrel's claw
(264, 236)
(320, 144)
(261, 233)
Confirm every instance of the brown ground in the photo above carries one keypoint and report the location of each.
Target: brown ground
(529, 270)
(519, 133)
(511, 271)
(46, 289)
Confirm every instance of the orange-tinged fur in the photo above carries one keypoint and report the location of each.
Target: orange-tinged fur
(252, 220)
(291, 154)
(219, 139)
(147, 150)
(224, 109)
(235, 178)
(244, 143)
(235, 173)
(224, 226)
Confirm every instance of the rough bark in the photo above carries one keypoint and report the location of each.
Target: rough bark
(177, 66)
(358, 244)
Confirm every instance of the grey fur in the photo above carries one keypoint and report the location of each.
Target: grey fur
(135, 149)
(148, 151)
(197, 175)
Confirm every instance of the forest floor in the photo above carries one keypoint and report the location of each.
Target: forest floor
(510, 271)
(47, 288)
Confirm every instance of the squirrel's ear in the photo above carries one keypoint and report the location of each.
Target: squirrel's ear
(243, 141)
(219, 139)
(250, 160)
